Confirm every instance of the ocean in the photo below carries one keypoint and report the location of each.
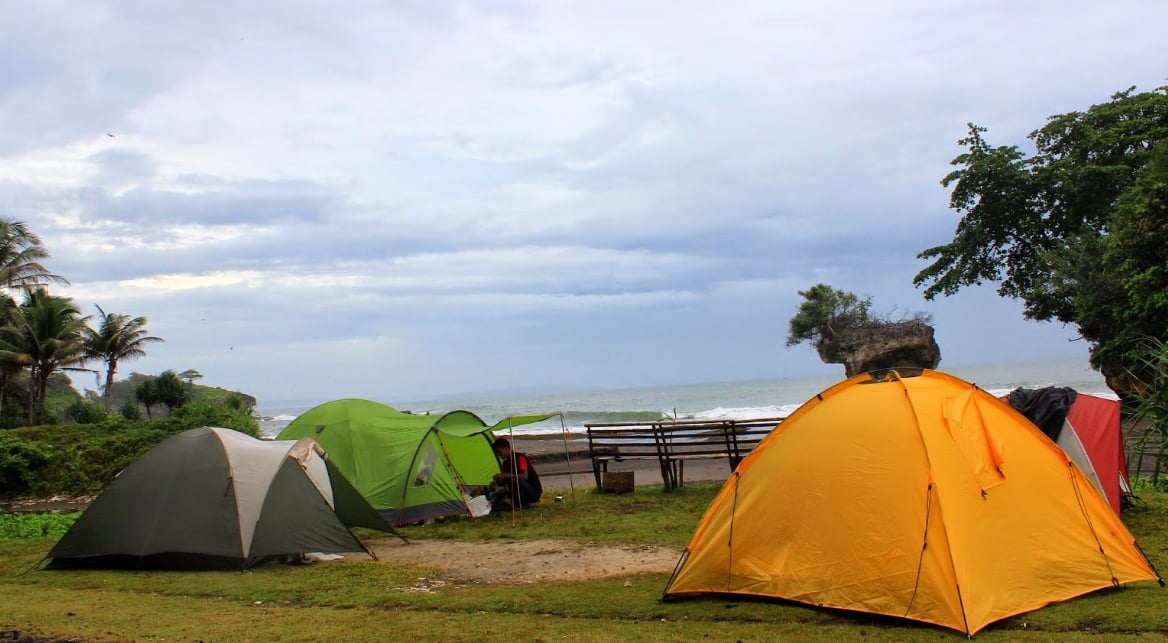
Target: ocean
(717, 400)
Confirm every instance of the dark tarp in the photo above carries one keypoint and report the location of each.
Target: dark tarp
(1046, 408)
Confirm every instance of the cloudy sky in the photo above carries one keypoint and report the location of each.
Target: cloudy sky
(402, 199)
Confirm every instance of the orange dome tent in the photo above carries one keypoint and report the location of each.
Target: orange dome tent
(921, 497)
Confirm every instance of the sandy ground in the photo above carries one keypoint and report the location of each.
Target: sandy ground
(543, 561)
(523, 561)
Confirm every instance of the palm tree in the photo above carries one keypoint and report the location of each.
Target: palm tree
(117, 338)
(10, 362)
(46, 335)
(21, 253)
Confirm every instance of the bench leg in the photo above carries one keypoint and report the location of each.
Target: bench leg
(667, 474)
(676, 467)
(598, 470)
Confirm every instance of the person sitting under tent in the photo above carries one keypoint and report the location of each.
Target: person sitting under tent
(517, 483)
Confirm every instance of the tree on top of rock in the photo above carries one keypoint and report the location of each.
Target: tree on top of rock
(842, 329)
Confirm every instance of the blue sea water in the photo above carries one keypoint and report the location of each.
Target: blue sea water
(717, 400)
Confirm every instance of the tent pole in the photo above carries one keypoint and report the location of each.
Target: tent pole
(514, 490)
(568, 458)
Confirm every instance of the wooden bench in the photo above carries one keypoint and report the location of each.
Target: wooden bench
(673, 443)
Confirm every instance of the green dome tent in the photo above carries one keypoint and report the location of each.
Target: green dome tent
(214, 498)
(409, 467)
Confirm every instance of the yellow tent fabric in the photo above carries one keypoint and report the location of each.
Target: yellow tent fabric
(921, 497)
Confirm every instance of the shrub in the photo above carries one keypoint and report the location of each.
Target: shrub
(21, 462)
(85, 412)
(235, 402)
(192, 416)
(82, 459)
(130, 410)
(1151, 384)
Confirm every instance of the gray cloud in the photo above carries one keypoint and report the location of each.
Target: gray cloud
(311, 202)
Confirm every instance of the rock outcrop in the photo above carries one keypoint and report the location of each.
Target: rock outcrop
(249, 401)
(882, 345)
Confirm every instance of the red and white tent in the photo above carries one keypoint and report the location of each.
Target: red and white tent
(1087, 428)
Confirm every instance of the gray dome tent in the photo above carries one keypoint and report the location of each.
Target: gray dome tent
(214, 498)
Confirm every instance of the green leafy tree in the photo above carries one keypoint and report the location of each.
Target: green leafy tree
(1134, 255)
(170, 390)
(46, 335)
(146, 392)
(117, 338)
(826, 319)
(189, 376)
(1070, 230)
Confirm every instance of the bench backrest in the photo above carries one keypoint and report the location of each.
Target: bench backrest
(679, 439)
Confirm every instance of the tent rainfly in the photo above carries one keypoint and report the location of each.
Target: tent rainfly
(411, 467)
(914, 495)
(1087, 428)
(214, 498)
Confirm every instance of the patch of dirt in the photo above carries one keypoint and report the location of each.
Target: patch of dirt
(527, 561)
(59, 504)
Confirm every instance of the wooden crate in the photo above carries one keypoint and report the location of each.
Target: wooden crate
(617, 482)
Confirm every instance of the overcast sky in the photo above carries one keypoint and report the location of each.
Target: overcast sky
(312, 200)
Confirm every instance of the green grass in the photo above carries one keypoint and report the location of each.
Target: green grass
(370, 601)
(649, 516)
(17, 525)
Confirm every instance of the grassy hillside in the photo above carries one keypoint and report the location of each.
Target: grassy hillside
(79, 459)
(124, 390)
